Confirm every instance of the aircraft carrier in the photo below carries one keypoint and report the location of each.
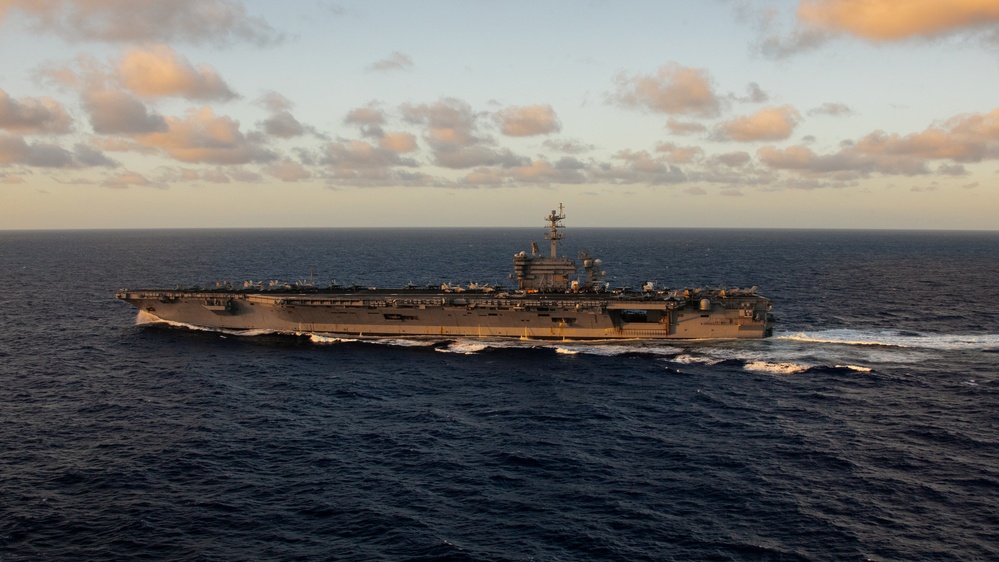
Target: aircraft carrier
(552, 300)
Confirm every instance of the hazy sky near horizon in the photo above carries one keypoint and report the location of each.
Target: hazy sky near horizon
(313, 113)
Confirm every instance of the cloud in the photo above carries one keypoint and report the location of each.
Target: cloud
(537, 172)
(818, 21)
(213, 175)
(90, 156)
(33, 115)
(802, 158)
(952, 170)
(964, 138)
(398, 142)
(734, 159)
(245, 176)
(678, 127)
(159, 71)
(451, 132)
(680, 154)
(288, 171)
(128, 179)
(472, 156)
(830, 108)
(639, 167)
(284, 125)
(528, 120)
(118, 112)
(849, 162)
(567, 146)
(450, 122)
(142, 21)
(369, 118)
(673, 89)
(273, 101)
(368, 115)
(774, 46)
(395, 61)
(771, 123)
(202, 136)
(357, 162)
(15, 150)
(358, 154)
(754, 94)
(171, 175)
(891, 20)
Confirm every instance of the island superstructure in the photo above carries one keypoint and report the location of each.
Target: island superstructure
(552, 300)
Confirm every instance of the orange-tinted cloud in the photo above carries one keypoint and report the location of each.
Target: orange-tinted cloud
(358, 154)
(673, 89)
(160, 71)
(140, 21)
(451, 133)
(966, 138)
(528, 120)
(680, 154)
(892, 20)
(804, 159)
(639, 167)
(370, 114)
(771, 123)
(398, 142)
(451, 123)
(543, 172)
(961, 139)
(845, 162)
(33, 115)
(204, 137)
(369, 118)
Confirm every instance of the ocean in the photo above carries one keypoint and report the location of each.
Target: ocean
(866, 429)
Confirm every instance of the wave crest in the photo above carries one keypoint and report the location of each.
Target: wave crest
(897, 339)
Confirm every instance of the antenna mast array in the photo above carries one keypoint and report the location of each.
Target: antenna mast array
(554, 235)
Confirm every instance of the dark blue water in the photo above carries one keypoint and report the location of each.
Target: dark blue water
(867, 429)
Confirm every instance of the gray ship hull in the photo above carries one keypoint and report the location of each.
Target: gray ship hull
(383, 313)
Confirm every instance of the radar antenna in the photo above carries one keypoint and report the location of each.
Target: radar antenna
(554, 235)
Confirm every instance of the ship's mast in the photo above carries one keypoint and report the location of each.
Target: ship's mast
(554, 235)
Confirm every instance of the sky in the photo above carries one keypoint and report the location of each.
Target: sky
(311, 113)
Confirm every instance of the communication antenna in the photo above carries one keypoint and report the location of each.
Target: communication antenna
(553, 234)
